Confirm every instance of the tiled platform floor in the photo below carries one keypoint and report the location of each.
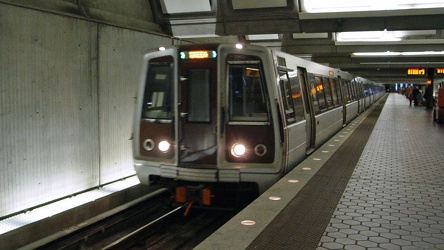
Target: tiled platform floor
(395, 197)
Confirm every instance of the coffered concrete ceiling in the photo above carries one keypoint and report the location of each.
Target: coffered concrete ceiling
(286, 25)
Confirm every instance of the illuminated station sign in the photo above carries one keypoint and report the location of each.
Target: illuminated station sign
(416, 71)
(440, 71)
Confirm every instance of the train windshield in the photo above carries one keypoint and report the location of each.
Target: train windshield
(158, 97)
(247, 93)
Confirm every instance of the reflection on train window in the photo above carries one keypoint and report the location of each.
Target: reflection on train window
(360, 90)
(327, 92)
(353, 90)
(311, 80)
(199, 95)
(346, 92)
(352, 86)
(157, 101)
(368, 89)
(287, 97)
(320, 93)
(247, 93)
(296, 94)
(334, 92)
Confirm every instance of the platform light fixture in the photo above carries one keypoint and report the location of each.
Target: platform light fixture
(390, 53)
(367, 36)
(328, 6)
(262, 37)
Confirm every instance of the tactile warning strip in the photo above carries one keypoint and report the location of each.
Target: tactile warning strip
(395, 197)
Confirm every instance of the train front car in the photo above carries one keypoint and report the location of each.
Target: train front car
(206, 118)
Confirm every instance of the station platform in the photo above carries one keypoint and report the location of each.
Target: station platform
(377, 184)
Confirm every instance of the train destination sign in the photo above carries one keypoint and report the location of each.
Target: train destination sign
(198, 54)
(440, 71)
(416, 71)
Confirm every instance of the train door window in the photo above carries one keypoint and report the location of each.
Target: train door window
(350, 95)
(199, 95)
(319, 87)
(287, 97)
(345, 91)
(248, 100)
(361, 90)
(338, 90)
(353, 89)
(311, 80)
(357, 84)
(296, 95)
(334, 93)
(158, 99)
(327, 92)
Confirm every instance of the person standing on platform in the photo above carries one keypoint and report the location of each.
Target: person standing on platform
(428, 97)
(408, 94)
(415, 93)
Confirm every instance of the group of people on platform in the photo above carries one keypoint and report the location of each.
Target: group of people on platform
(415, 95)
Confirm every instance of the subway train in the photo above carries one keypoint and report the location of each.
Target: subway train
(212, 117)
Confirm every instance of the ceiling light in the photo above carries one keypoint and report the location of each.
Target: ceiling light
(389, 53)
(323, 6)
(262, 37)
(365, 36)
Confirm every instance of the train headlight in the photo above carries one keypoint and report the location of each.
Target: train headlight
(164, 146)
(238, 150)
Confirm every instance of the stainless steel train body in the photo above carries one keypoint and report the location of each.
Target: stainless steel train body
(229, 114)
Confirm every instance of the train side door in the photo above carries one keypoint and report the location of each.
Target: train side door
(197, 113)
(308, 108)
(344, 101)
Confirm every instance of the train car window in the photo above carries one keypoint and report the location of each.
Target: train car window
(320, 93)
(366, 90)
(248, 100)
(296, 95)
(334, 92)
(311, 80)
(158, 99)
(287, 99)
(199, 95)
(327, 91)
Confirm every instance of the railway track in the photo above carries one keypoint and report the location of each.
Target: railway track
(174, 231)
(151, 224)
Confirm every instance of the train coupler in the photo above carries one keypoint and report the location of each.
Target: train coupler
(198, 194)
